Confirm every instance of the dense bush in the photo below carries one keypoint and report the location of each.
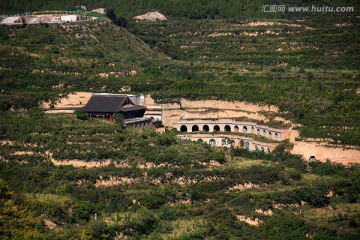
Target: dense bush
(81, 114)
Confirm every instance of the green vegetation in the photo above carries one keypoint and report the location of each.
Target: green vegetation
(308, 69)
(179, 195)
(69, 177)
(81, 114)
(265, 68)
(195, 9)
(44, 62)
(119, 118)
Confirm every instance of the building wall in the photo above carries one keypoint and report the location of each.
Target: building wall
(229, 125)
(154, 112)
(222, 140)
(140, 123)
(68, 18)
(154, 116)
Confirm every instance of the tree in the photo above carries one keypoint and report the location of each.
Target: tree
(81, 114)
(122, 22)
(110, 13)
(23, 22)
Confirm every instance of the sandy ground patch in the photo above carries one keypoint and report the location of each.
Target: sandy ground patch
(151, 16)
(213, 163)
(213, 109)
(75, 100)
(50, 224)
(21, 153)
(76, 163)
(80, 164)
(113, 181)
(5, 142)
(148, 100)
(149, 165)
(342, 24)
(221, 34)
(322, 153)
(243, 187)
(267, 212)
(261, 24)
(250, 221)
(227, 105)
(177, 202)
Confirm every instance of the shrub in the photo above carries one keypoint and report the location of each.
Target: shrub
(119, 118)
(36, 113)
(81, 114)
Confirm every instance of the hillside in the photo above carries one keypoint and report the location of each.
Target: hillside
(53, 59)
(192, 9)
(308, 68)
(71, 176)
(65, 178)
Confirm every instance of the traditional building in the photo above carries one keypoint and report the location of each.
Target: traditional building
(108, 105)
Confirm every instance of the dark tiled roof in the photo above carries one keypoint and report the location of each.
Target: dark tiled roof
(132, 108)
(110, 104)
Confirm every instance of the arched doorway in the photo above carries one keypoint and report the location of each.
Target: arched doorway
(227, 128)
(223, 142)
(246, 144)
(231, 142)
(200, 140)
(205, 128)
(236, 128)
(195, 128)
(212, 142)
(245, 129)
(216, 128)
(183, 128)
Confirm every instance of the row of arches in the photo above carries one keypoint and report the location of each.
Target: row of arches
(242, 143)
(227, 128)
(262, 149)
(206, 128)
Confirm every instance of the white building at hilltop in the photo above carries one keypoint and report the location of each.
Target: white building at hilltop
(11, 20)
(68, 18)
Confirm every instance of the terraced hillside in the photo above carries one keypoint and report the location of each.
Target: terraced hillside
(307, 67)
(52, 59)
(65, 178)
